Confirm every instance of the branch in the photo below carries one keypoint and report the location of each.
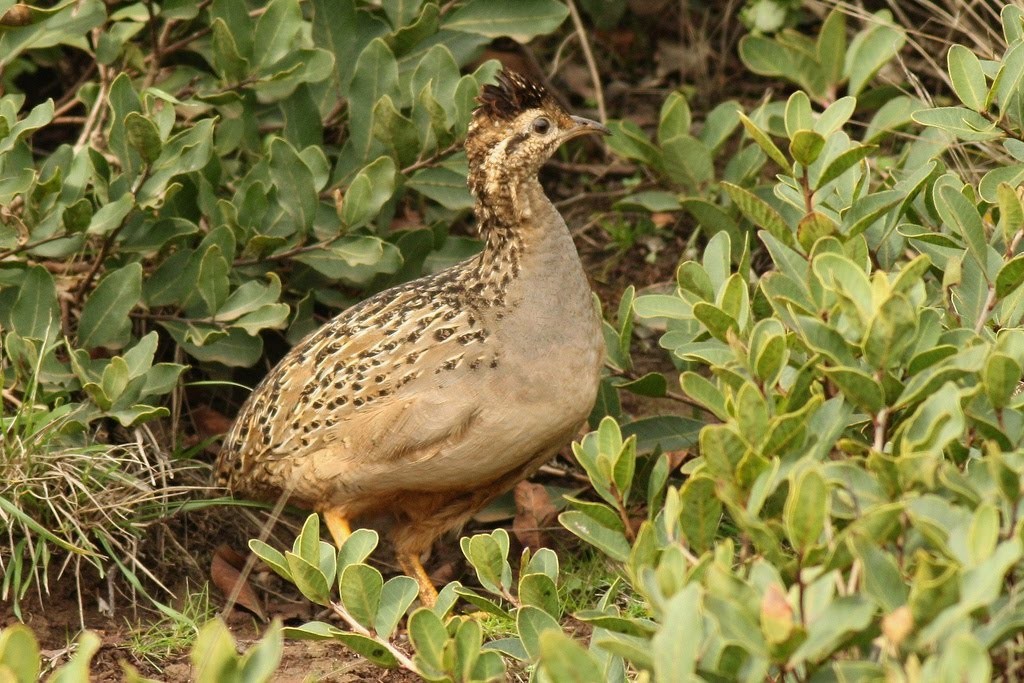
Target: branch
(588, 56)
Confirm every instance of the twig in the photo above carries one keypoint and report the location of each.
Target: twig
(402, 658)
(30, 245)
(98, 107)
(881, 421)
(284, 254)
(990, 303)
(588, 56)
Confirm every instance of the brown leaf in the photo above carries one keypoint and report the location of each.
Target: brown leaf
(210, 422)
(225, 572)
(662, 219)
(534, 512)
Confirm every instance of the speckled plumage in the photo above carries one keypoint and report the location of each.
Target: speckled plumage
(426, 400)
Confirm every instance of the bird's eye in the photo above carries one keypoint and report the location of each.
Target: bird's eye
(541, 125)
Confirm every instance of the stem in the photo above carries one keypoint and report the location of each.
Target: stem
(30, 245)
(588, 56)
(402, 658)
(990, 303)
(284, 254)
(881, 421)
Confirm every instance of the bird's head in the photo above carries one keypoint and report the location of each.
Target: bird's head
(517, 126)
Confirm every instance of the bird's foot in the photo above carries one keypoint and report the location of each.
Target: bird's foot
(412, 566)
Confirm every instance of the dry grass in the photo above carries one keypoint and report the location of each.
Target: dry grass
(66, 506)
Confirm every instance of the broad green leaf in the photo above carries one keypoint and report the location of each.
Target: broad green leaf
(293, 180)
(806, 146)
(395, 598)
(765, 143)
(564, 659)
(521, 21)
(806, 509)
(36, 312)
(357, 547)
(760, 213)
(371, 188)
(677, 644)
(967, 77)
(104, 320)
(842, 163)
(19, 653)
(1010, 276)
(360, 586)
(445, 186)
(612, 542)
(959, 213)
(870, 50)
(531, 623)
(965, 124)
(143, 135)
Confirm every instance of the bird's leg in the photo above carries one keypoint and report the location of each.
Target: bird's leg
(412, 566)
(337, 524)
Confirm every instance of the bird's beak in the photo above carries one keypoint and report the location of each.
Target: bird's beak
(585, 127)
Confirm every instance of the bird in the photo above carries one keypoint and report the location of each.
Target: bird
(425, 401)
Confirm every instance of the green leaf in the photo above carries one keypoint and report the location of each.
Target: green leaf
(143, 135)
(428, 636)
(858, 387)
(667, 432)
(276, 30)
(869, 51)
(687, 161)
(967, 76)
(361, 587)
(959, 213)
(36, 313)
(488, 558)
(840, 619)
(760, 213)
(78, 668)
(805, 146)
(677, 644)
(1008, 81)
(1010, 276)
(765, 143)
(19, 653)
(1001, 377)
(259, 664)
(110, 216)
(965, 124)
(294, 181)
(629, 141)
(395, 598)
(357, 547)
(539, 590)
(564, 659)
(612, 542)
(273, 557)
(445, 186)
(40, 115)
(891, 332)
(806, 509)
(309, 579)
(370, 189)
(674, 119)
(104, 320)
(842, 163)
(521, 21)
(531, 622)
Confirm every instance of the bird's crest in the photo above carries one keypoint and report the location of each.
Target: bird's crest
(513, 95)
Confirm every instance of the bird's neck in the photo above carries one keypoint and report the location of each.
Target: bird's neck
(511, 219)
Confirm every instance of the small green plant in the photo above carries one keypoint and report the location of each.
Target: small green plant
(175, 632)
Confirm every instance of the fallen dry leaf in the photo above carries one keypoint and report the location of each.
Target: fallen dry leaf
(226, 574)
(534, 513)
(210, 422)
